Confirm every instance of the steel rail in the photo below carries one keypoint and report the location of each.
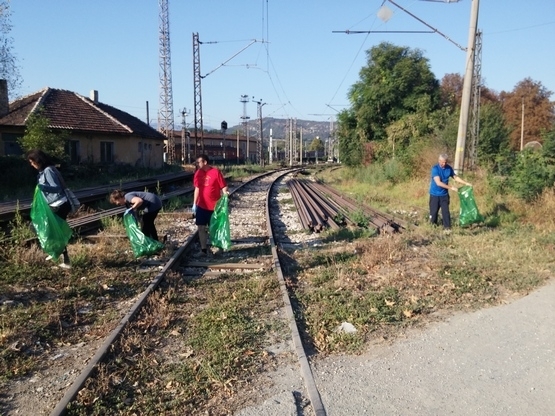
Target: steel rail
(318, 215)
(329, 211)
(304, 216)
(79, 382)
(307, 219)
(75, 387)
(306, 372)
(314, 206)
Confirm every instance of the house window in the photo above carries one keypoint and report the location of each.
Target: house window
(11, 145)
(106, 152)
(73, 150)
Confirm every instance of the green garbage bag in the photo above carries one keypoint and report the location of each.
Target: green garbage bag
(220, 236)
(469, 213)
(140, 243)
(53, 232)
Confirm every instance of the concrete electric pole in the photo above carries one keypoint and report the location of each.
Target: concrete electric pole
(467, 88)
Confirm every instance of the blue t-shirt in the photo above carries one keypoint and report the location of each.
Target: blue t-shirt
(444, 174)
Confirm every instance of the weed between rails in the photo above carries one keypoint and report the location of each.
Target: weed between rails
(189, 350)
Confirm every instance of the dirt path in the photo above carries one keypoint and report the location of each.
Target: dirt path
(496, 361)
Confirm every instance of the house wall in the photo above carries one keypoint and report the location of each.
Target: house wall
(97, 148)
(132, 150)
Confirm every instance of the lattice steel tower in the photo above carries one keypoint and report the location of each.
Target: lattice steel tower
(475, 102)
(165, 112)
(198, 96)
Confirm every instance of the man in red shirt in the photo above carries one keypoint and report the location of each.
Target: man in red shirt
(209, 185)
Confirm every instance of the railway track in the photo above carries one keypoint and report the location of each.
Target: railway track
(250, 217)
(259, 230)
(94, 194)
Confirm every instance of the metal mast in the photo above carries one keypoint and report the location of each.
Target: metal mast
(245, 118)
(476, 91)
(198, 95)
(165, 113)
(260, 143)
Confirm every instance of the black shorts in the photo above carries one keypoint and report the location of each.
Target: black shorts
(202, 216)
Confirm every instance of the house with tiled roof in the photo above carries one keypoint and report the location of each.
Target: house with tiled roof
(98, 132)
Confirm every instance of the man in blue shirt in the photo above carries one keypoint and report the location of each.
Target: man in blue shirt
(439, 191)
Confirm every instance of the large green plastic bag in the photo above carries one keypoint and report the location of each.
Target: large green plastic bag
(469, 213)
(140, 243)
(220, 235)
(52, 231)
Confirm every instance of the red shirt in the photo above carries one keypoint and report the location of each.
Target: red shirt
(210, 183)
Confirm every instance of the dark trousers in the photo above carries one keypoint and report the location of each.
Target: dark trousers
(148, 227)
(442, 202)
(62, 212)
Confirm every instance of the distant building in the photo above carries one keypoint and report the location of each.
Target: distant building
(98, 133)
(230, 148)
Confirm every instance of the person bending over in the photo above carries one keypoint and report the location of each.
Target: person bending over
(146, 202)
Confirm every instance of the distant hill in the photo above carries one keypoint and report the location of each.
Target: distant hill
(310, 128)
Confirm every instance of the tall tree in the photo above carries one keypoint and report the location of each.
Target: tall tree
(316, 145)
(9, 69)
(451, 88)
(451, 92)
(494, 134)
(539, 111)
(391, 85)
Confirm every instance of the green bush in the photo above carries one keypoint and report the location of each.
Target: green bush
(531, 175)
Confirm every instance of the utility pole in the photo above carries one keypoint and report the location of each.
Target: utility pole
(301, 147)
(260, 143)
(245, 118)
(290, 142)
(467, 87)
(271, 150)
(184, 135)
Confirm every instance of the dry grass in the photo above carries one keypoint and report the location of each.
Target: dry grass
(383, 284)
(189, 351)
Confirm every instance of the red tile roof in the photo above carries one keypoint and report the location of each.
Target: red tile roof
(68, 110)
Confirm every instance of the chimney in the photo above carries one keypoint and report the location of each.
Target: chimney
(4, 101)
(94, 96)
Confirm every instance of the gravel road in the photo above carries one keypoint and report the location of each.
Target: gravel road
(495, 361)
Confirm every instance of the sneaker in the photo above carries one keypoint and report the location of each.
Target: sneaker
(49, 258)
(64, 266)
(447, 231)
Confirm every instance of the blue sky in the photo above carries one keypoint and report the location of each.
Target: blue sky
(297, 66)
